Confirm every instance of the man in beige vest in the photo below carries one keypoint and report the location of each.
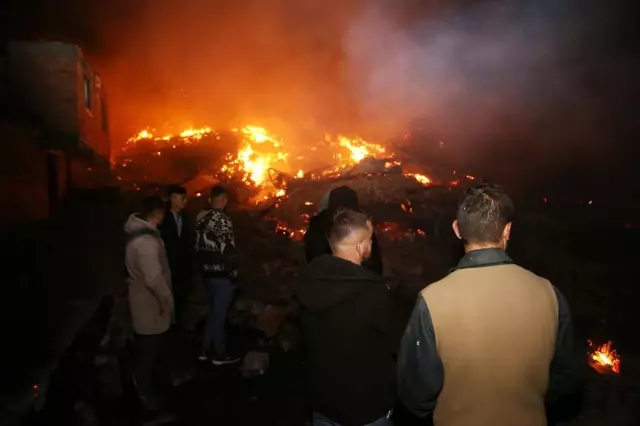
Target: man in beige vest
(489, 343)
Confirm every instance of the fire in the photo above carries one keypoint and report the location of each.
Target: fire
(195, 133)
(187, 134)
(604, 357)
(420, 178)
(260, 151)
(358, 148)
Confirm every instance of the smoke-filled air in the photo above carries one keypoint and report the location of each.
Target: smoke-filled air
(537, 81)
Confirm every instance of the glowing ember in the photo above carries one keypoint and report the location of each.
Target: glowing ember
(420, 178)
(604, 357)
(188, 134)
(283, 229)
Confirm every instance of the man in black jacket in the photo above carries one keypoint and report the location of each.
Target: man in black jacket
(351, 330)
(177, 237)
(315, 239)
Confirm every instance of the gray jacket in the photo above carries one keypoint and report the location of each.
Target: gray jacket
(149, 280)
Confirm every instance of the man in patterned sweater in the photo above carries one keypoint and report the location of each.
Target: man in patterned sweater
(216, 253)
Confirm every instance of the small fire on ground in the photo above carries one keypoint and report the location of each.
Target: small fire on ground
(261, 152)
(604, 358)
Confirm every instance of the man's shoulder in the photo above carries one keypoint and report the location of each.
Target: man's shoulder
(434, 286)
(462, 276)
(143, 240)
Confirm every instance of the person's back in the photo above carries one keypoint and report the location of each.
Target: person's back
(351, 332)
(486, 344)
(496, 345)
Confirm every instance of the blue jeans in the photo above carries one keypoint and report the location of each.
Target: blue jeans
(320, 420)
(221, 291)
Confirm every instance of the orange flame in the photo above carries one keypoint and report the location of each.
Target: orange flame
(359, 149)
(604, 357)
(260, 151)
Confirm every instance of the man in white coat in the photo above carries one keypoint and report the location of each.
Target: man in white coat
(150, 295)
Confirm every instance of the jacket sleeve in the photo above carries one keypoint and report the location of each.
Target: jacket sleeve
(565, 370)
(230, 253)
(149, 261)
(420, 369)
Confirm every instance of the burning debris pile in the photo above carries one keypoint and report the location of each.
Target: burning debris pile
(280, 187)
(251, 155)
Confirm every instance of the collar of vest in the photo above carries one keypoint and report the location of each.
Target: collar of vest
(483, 257)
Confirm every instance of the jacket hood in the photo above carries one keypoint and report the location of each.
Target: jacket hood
(329, 280)
(136, 224)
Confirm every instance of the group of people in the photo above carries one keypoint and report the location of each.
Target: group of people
(165, 253)
(489, 344)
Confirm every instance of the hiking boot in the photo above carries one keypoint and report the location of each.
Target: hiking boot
(216, 360)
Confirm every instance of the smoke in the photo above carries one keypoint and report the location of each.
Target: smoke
(515, 84)
(505, 82)
(212, 63)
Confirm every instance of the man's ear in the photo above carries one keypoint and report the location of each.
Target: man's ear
(454, 225)
(506, 232)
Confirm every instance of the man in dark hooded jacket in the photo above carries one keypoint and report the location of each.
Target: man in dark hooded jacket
(315, 239)
(351, 330)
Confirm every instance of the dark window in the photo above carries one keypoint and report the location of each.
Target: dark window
(104, 116)
(87, 91)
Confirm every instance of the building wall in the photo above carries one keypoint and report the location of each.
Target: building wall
(43, 84)
(24, 191)
(53, 82)
(92, 109)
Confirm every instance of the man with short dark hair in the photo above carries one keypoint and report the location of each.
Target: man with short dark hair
(351, 330)
(490, 342)
(216, 253)
(178, 243)
(150, 296)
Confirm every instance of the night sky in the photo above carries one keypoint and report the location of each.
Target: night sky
(533, 88)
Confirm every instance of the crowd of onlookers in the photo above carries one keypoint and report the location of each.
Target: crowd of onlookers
(489, 344)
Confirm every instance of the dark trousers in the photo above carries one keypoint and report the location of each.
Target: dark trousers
(221, 292)
(149, 352)
(180, 288)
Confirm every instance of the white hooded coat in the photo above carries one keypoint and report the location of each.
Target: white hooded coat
(149, 280)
